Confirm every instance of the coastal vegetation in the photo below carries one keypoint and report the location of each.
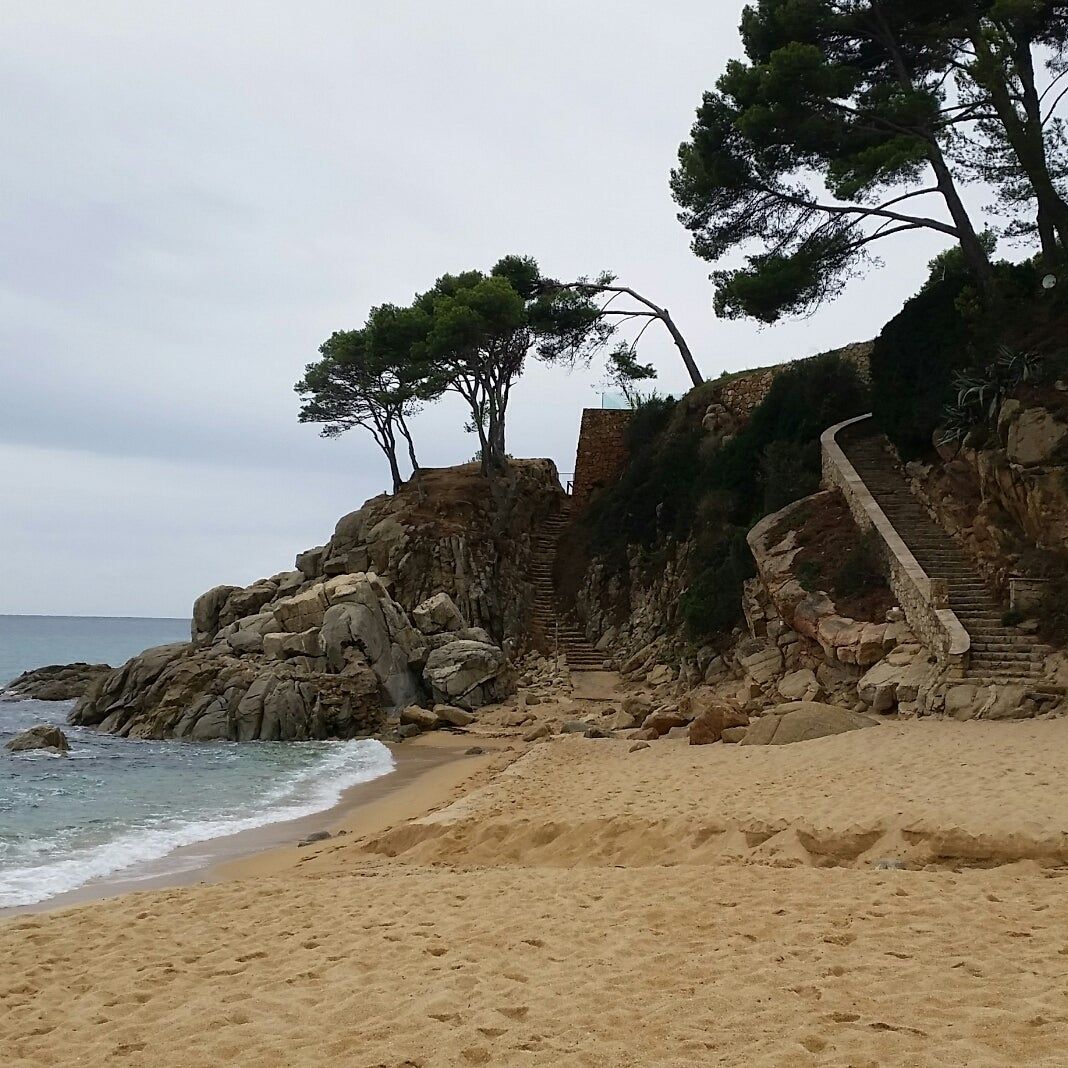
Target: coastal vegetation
(678, 487)
(472, 334)
(851, 123)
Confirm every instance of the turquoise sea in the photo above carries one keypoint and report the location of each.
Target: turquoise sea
(115, 805)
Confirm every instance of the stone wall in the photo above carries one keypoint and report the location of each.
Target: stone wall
(924, 602)
(602, 451)
(740, 394)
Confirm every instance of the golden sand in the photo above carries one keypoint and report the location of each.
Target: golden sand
(590, 906)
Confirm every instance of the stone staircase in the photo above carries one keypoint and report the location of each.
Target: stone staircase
(559, 633)
(999, 653)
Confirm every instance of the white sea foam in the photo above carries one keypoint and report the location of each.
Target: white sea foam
(304, 792)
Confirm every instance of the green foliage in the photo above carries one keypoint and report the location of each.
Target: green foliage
(625, 372)
(712, 603)
(853, 98)
(862, 569)
(674, 489)
(1052, 612)
(949, 352)
(913, 363)
(981, 393)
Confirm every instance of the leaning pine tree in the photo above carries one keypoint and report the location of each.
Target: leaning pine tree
(831, 138)
(365, 380)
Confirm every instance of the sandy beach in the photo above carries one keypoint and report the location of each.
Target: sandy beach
(882, 898)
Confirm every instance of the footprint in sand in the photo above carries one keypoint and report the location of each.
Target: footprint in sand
(516, 1012)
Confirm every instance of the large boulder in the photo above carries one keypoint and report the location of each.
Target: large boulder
(437, 614)
(303, 611)
(57, 682)
(708, 727)
(44, 736)
(206, 610)
(803, 721)
(465, 673)
(1034, 436)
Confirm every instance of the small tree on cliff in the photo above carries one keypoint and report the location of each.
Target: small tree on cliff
(477, 330)
(361, 382)
(847, 95)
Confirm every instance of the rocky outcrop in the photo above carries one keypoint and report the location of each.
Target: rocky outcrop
(347, 657)
(414, 600)
(44, 736)
(57, 682)
(1005, 494)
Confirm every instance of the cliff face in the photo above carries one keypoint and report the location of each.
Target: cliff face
(1010, 494)
(410, 600)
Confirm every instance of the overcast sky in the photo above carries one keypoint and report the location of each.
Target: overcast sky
(195, 195)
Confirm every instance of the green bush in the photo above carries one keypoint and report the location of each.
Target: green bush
(675, 488)
(947, 332)
(861, 571)
(914, 362)
(712, 604)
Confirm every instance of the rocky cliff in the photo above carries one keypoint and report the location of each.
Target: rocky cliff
(420, 596)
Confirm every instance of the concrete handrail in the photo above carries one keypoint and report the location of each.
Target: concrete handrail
(925, 601)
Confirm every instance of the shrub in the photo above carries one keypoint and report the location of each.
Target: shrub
(675, 488)
(945, 332)
(861, 571)
(913, 364)
(713, 602)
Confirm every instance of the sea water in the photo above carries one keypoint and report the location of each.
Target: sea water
(115, 804)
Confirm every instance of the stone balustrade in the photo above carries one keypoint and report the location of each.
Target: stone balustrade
(923, 600)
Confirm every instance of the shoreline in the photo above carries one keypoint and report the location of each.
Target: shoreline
(881, 897)
(426, 772)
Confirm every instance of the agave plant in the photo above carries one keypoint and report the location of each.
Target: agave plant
(981, 393)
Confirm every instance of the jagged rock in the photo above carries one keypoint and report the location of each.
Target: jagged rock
(57, 682)
(763, 664)
(803, 721)
(283, 646)
(310, 562)
(596, 732)
(245, 641)
(246, 602)
(799, 686)
(44, 736)
(206, 609)
(1034, 436)
(620, 721)
(960, 702)
(663, 720)
(1006, 702)
(465, 673)
(437, 614)
(734, 735)
(661, 675)
(708, 727)
(637, 706)
(303, 611)
(326, 650)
